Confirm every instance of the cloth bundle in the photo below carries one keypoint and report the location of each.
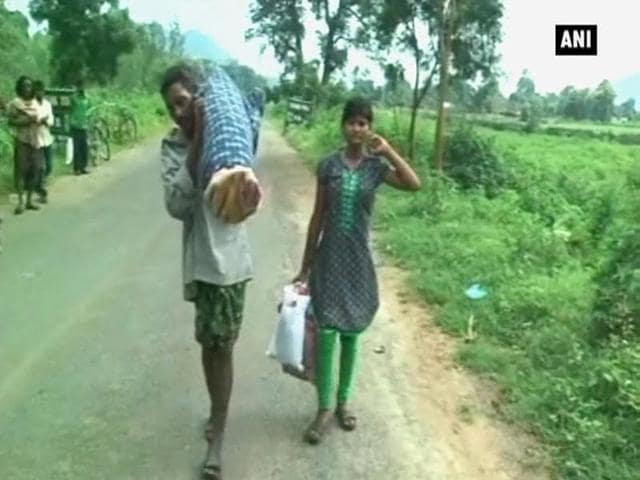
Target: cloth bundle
(230, 142)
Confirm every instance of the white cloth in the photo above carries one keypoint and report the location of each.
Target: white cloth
(43, 137)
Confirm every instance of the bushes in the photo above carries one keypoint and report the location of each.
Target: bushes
(617, 309)
(473, 162)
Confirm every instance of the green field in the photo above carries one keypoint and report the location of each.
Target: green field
(625, 133)
(537, 245)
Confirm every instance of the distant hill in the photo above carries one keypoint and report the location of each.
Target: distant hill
(199, 45)
(628, 87)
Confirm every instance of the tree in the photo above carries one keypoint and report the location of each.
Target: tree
(280, 23)
(574, 103)
(88, 37)
(362, 85)
(483, 98)
(602, 102)
(20, 55)
(525, 89)
(550, 104)
(397, 91)
(533, 112)
(176, 41)
(336, 39)
(244, 77)
(155, 49)
(113, 35)
(462, 94)
(628, 108)
(475, 33)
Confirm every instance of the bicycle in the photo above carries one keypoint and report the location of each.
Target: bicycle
(98, 135)
(125, 124)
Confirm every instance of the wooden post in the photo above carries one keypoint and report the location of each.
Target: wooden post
(445, 48)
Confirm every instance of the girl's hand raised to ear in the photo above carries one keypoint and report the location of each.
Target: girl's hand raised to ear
(379, 146)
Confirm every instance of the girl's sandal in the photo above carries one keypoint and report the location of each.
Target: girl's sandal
(347, 421)
(314, 433)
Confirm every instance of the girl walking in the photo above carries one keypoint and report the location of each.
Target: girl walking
(337, 260)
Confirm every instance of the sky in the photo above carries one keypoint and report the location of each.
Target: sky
(528, 38)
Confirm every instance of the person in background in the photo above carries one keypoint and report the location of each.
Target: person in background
(337, 261)
(44, 137)
(23, 117)
(79, 123)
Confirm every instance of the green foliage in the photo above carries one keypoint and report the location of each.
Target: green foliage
(474, 28)
(244, 77)
(88, 37)
(583, 104)
(473, 162)
(532, 113)
(337, 31)
(617, 308)
(525, 90)
(602, 102)
(155, 50)
(20, 55)
(280, 24)
(628, 109)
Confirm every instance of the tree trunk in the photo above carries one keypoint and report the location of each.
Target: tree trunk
(414, 111)
(444, 80)
(299, 65)
(327, 69)
(328, 50)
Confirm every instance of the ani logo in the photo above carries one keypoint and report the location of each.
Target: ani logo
(577, 40)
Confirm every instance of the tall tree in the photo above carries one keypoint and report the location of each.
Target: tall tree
(176, 41)
(245, 77)
(335, 40)
(363, 86)
(628, 108)
(483, 98)
(525, 89)
(20, 54)
(88, 37)
(602, 102)
(155, 48)
(280, 24)
(415, 26)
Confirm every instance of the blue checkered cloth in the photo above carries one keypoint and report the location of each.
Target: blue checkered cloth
(231, 124)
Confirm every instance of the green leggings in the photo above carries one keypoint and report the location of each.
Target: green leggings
(324, 369)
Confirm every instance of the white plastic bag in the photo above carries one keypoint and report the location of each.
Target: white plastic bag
(287, 342)
(69, 152)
